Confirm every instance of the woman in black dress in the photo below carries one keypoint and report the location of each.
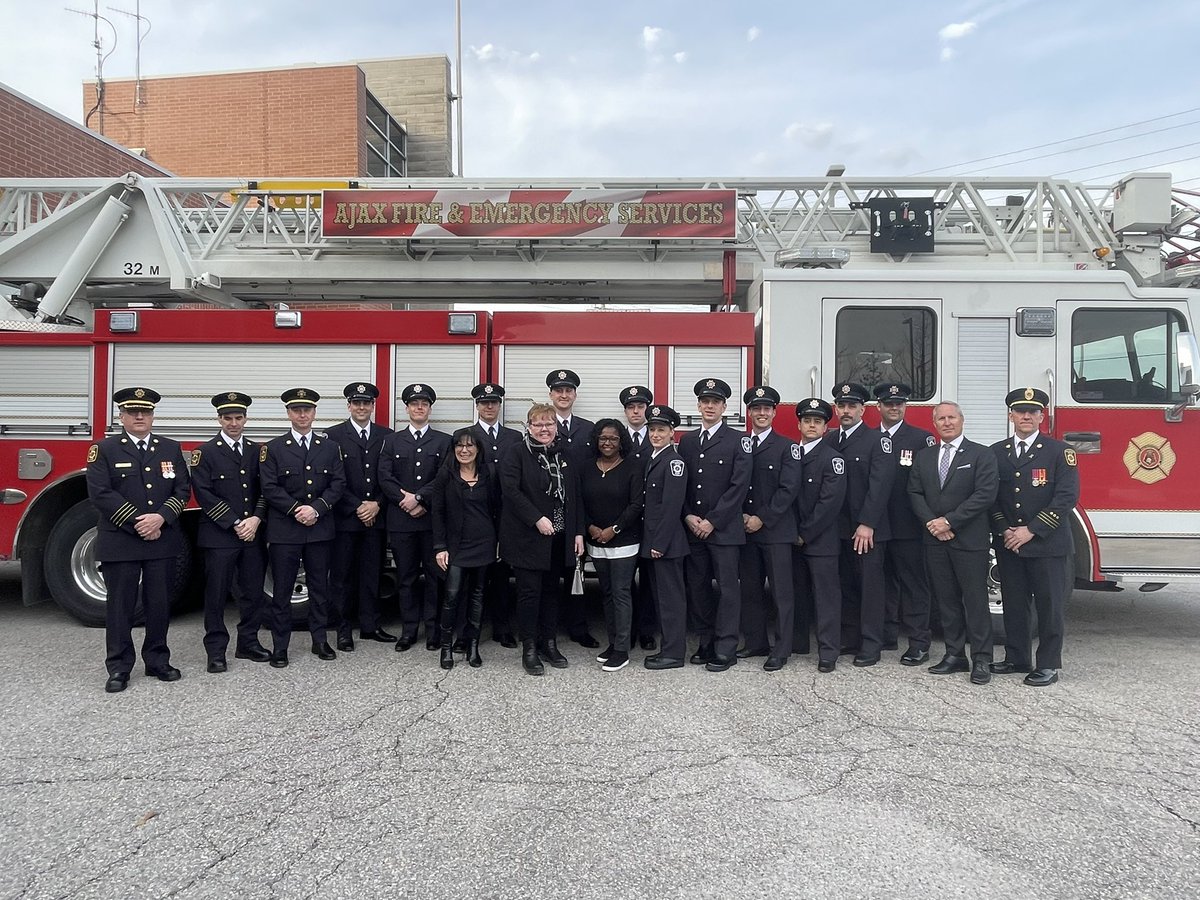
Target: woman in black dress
(466, 504)
(611, 490)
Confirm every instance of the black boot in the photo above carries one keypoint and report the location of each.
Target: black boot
(447, 658)
(530, 660)
(473, 659)
(548, 650)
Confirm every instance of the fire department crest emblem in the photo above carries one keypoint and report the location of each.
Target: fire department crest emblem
(232, 395)
(633, 392)
(196, 457)
(1028, 393)
(656, 411)
(302, 393)
(710, 383)
(488, 389)
(845, 388)
(894, 390)
(886, 444)
(677, 468)
(362, 388)
(797, 453)
(814, 404)
(93, 453)
(760, 393)
(562, 374)
(746, 445)
(139, 393)
(839, 465)
(1149, 458)
(416, 389)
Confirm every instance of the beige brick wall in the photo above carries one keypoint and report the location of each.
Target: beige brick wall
(416, 91)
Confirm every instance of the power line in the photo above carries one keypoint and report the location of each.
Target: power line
(1168, 163)
(1109, 162)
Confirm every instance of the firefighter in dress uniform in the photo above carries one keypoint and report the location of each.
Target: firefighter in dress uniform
(769, 518)
(359, 520)
(226, 484)
(818, 545)
(1039, 487)
(302, 481)
(718, 465)
(138, 483)
(635, 400)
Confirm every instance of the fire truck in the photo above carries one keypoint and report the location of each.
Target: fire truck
(961, 288)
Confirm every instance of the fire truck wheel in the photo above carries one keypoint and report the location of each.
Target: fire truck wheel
(994, 604)
(73, 574)
(299, 596)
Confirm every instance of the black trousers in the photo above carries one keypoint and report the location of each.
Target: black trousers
(354, 579)
(774, 563)
(413, 554)
(221, 565)
(819, 600)
(716, 616)
(285, 564)
(537, 604)
(645, 616)
(460, 582)
(908, 595)
(863, 595)
(121, 588)
(1026, 583)
(499, 600)
(616, 590)
(666, 583)
(959, 580)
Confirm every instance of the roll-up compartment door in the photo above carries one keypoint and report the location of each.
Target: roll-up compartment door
(690, 364)
(45, 388)
(983, 378)
(602, 371)
(451, 370)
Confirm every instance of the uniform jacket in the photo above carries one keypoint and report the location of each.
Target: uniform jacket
(448, 496)
(820, 499)
(409, 465)
(291, 479)
(492, 450)
(774, 483)
(362, 473)
(870, 472)
(642, 453)
(965, 499)
(666, 492)
(122, 486)
(718, 481)
(578, 443)
(1045, 484)
(907, 441)
(227, 490)
(523, 500)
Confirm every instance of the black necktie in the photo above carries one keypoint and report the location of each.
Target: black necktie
(563, 429)
(304, 444)
(237, 450)
(417, 436)
(842, 440)
(142, 447)
(364, 435)
(637, 441)
(703, 439)
(492, 432)
(1020, 449)
(755, 442)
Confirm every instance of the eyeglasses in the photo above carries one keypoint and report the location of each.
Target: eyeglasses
(608, 440)
(542, 425)
(464, 446)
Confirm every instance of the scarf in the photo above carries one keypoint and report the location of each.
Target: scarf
(549, 459)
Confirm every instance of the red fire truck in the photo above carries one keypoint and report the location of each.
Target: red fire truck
(963, 289)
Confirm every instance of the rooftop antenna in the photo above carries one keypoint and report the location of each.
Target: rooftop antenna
(138, 99)
(101, 56)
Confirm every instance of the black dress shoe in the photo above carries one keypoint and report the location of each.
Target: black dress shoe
(659, 662)
(585, 640)
(217, 665)
(323, 650)
(949, 665)
(1004, 667)
(704, 653)
(256, 652)
(169, 673)
(647, 642)
(377, 635)
(720, 663)
(279, 660)
(1041, 677)
(116, 683)
(866, 659)
(981, 672)
(548, 651)
(405, 641)
(774, 664)
(749, 653)
(346, 643)
(530, 660)
(447, 661)
(827, 665)
(914, 657)
(506, 639)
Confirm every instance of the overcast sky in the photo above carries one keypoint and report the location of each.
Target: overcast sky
(701, 88)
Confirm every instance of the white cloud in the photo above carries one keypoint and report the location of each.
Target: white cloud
(955, 30)
(651, 35)
(948, 53)
(491, 53)
(484, 53)
(681, 56)
(810, 134)
(753, 32)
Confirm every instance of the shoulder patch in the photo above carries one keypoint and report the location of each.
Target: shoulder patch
(196, 457)
(886, 444)
(747, 444)
(797, 453)
(1069, 456)
(930, 440)
(262, 454)
(839, 466)
(93, 453)
(677, 468)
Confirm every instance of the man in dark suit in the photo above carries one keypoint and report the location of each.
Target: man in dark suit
(494, 440)
(907, 588)
(408, 464)
(231, 533)
(575, 443)
(952, 487)
(769, 519)
(358, 543)
(138, 483)
(635, 400)
(819, 501)
(718, 464)
(302, 481)
(1031, 520)
(865, 527)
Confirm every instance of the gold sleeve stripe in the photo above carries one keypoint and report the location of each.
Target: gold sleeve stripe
(176, 505)
(327, 506)
(121, 516)
(293, 508)
(219, 510)
(1050, 520)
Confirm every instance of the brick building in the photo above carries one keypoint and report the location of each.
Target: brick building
(374, 118)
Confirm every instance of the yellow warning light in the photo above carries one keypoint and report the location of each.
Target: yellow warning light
(1101, 252)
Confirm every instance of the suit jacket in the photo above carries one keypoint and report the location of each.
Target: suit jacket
(408, 465)
(774, 482)
(718, 481)
(869, 476)
(1039, 491)
(291, 479)
(524, 500)
(965, 499)
(227, 490)
(907, 441)
(362, 473)
(492, 450)
(578, 443)
(123, 485)
(662, 518)
(820, 499)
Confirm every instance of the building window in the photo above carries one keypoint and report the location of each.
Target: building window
(1124, 355)
(387, 142)
(896, 343)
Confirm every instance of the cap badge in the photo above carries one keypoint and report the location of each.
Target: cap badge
(710, 383)
(633, 392)
(813, 404)
(231, 396)
(760, 393)
(893, 389)
(362, 388)
(302, 393)
(487, 389)
(655, 411)
(139, 393)
(845, 388)
(562, 374)
(416, 389)
(1028, 393)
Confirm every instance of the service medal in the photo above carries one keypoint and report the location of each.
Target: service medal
(1039, 477)
(906, 457)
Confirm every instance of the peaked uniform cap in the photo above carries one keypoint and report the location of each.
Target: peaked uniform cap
(137, 398)
(231, 402)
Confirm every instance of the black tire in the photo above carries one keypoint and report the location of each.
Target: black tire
(299, 596)
(73, 574)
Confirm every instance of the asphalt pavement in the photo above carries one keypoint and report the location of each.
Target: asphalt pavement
(378, 774)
